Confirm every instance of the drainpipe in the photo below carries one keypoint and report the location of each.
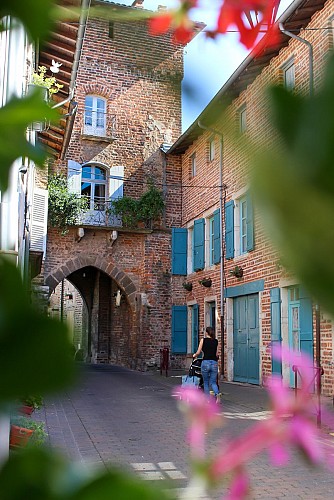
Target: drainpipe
(317, 307)
(310, 48)
(222, 264)
(85, 6)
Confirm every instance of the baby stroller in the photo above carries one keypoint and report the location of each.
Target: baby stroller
(195, 371)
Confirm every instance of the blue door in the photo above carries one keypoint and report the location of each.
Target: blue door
(246, 339)
(300, 321)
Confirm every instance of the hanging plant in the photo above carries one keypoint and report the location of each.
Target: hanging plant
(41, 80)
(237, 271)
(147, 209)
(207, 282)
(187, 286)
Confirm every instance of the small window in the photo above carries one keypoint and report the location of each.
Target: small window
(193, 164)
(211, 149)
(289, 75)
(242, 120)
(95, 116)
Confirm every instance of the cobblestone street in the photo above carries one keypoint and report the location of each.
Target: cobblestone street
(130, 419)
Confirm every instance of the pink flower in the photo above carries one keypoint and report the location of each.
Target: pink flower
(202, 415)
(239, 487)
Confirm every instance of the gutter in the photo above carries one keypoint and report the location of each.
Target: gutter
(85, 6)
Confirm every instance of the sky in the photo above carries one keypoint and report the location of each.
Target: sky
(207, 63)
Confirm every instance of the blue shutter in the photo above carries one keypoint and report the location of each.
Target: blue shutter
(198, 244)
(194, 325)
(216, 236)
(306, 323)
(179, 250)
(250, 224)
(179, 329)
(229, 229)
(275, 321)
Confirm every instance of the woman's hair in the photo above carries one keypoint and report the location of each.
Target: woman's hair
(210, 331)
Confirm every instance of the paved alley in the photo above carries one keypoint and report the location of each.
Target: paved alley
(120, 417)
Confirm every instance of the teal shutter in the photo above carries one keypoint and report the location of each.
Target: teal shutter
(216, 236)
(306, 323)
(250, 224)
(229, 230)
(198, 244)
(179, 329)
(179, 250)
(275, 321)
(194, 325)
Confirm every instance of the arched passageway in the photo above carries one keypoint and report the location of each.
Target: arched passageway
(108, 334)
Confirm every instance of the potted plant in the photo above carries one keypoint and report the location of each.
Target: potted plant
(237, 271)
(24, 431)
(187, 286)
(48, 84)
(30, 403)
(207, 282)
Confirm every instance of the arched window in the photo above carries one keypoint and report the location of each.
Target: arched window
(95, 116)
(100, 184)
(94, 186)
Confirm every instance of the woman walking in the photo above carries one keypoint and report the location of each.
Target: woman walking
(209, 367)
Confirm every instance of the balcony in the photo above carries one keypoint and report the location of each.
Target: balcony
(99, 216)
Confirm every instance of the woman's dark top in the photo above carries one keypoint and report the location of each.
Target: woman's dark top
(210, 349)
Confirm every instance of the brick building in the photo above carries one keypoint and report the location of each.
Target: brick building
(128, 95)
(262, 304)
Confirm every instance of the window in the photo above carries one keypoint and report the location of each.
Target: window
(289, 75)
(211, 149)
(94, 186)
(242, 120)
(198, 244)
(95, 116)
(214, 238)
(211, 240)
(239, 226)
(243, 225)
(193, 164)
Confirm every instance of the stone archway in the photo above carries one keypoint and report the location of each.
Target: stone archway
(113, 328)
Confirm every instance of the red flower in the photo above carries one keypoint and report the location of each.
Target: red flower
(160, 24)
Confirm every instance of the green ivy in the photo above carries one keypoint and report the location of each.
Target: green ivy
(147, 209)
(65, 208)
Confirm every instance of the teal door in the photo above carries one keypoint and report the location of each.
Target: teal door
(246, 339)
(300, 321)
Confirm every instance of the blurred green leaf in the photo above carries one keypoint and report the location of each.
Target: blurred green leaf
(34, 14)
(15, 117)
(294, 186)
(38, 474)
(35, 352)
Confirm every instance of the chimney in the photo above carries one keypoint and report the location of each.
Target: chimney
(138, 4)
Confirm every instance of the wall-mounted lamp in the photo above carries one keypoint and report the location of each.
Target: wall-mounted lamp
(113, 236)
(118, 298)
(80, 234)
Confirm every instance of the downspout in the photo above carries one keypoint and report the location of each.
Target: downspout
(85, 6)
(317, 307)
(310, 48)
(222, 264)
